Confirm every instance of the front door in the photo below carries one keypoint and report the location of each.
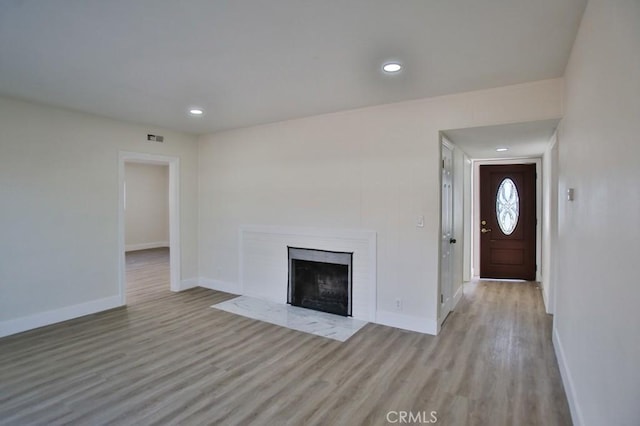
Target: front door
(508, 221)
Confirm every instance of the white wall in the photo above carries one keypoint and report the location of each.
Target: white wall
(467, 214)
(596, 311)
(459, 164)
(147, 206)
(374, 168)
(59, 216)
(549, 221)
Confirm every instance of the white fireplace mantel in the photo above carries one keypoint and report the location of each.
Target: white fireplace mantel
(264, 261)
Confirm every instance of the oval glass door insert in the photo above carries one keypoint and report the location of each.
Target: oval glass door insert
(507, 206)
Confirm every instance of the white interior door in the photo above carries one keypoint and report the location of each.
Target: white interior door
(446, 264)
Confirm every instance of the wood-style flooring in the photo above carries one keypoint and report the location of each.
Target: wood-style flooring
(168, 358)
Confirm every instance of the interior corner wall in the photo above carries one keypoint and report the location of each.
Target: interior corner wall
(146, 206)
(596, 310)
(59, 190)
(375, 169)
(467, 182)
(459, 205)
(549, 221)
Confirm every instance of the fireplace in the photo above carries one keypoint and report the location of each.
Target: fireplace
(320, 280)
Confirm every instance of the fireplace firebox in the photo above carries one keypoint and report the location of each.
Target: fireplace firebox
(320, 280)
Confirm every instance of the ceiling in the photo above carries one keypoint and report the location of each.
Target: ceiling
(522, 139)
(253, 62)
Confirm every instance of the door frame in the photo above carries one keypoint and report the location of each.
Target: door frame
(174, 214)
(475, 214)
(444, 309)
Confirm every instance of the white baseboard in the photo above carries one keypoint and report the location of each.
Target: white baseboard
(545, 299)
(407, 322)
(567, 380)
(189, 283)
(18, 325)
(457, 297)
(146, 246)
(220, 286)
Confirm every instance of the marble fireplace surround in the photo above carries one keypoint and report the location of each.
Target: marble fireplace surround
(264, 262)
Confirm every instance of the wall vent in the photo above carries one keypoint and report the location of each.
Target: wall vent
(155, 138)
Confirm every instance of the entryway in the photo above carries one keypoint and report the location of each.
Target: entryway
(149, 242)
(501, 176)
(146, 212)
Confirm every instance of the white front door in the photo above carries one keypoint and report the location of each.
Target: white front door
(446, 273)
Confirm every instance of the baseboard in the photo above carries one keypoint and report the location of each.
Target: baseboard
(18, 325)
(545, 300)
(220, 286)
(407, 322)
(146, 246)
(457, 297)
(567, 380)
(189, 283)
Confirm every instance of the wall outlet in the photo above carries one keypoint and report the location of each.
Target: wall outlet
(398, 304)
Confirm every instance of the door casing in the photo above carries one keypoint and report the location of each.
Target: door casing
(445, 297)
(174, 215)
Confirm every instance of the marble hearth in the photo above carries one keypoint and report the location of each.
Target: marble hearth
(300, 319)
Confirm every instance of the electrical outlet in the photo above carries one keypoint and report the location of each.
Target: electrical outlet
(398, 304)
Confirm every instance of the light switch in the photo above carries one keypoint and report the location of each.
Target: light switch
(570, 194)
(420, 222)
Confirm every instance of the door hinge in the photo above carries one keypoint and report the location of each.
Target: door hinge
(441, 298)
(443, 164)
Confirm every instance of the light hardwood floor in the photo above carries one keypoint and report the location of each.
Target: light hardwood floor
(168, 358)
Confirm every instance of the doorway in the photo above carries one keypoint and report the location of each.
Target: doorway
(146, 211)
(173, 207)
(508, 221)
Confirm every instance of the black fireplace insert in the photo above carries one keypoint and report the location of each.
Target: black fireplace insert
(320, 280)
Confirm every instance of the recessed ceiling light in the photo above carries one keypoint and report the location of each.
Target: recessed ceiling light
(392, 67)
(196, 111)
(502, 149)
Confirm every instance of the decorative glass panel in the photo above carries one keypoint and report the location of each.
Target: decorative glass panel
(507, 206)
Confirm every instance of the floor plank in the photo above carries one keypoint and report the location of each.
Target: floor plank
(168, 358)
